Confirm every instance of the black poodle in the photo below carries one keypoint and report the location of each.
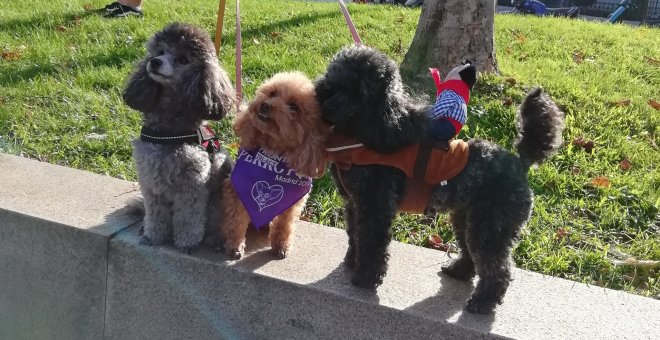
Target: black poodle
(362, 96)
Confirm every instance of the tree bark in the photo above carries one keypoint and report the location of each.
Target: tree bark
(448, 32)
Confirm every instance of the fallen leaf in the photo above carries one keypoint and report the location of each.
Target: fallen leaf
(652, 61)
(578, 57)
(434, 241)
(601, 181)
(275, 34)
(621, 102)
(508, 50)
(507, 101)
(575, 170)
(88, 7)
(522, 57)
(11, 55)
(561, 234)
(625, 164)
(511, 81)
(255, 41)
(61, 28)
(654, 104)
(520, 37)
(587, 145)
(642, 287)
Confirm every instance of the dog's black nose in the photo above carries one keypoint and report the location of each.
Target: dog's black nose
(155, 63)
(264, 111)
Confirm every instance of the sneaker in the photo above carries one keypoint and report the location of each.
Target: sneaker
(122, 11)
(414, 3)
(112, 7)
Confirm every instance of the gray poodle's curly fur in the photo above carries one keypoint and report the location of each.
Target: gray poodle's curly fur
(362, 96)
(177, 87)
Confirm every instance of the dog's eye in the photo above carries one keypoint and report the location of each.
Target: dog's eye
(182, 60)
(293, 106)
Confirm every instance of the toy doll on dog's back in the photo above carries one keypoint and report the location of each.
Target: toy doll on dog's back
(449, 113)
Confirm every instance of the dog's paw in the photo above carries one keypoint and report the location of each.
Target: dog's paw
(479, 306)
(459, 271)
(365, 282)
(280, 253)
(234, 254)
(145, 241)
(189, 249)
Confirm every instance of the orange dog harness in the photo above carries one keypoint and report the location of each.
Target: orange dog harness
(424, 165)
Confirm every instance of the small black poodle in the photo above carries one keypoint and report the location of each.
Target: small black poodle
(177, 87)
(362, 96)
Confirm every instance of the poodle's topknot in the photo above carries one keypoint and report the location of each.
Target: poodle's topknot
(180, 83)
(362, 87)
(184, 37)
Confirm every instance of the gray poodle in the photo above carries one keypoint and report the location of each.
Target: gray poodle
(180, 165)
(362, 96)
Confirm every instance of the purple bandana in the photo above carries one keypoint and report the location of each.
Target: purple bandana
(266, 185)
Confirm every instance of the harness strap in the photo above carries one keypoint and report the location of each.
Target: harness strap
(204, 136)
(422, 161)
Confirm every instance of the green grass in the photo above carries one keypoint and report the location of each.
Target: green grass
(64, 67)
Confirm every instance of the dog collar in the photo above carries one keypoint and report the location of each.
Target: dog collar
(204, 136)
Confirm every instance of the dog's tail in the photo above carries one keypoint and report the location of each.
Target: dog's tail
(540, 124)
(135, 206)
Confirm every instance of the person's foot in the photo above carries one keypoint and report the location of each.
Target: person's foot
(112, 7)
(121, 11)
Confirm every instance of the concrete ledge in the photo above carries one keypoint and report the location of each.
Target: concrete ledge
(65, 280)
(55, 225)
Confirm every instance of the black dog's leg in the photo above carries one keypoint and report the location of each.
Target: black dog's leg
(349, 217)
(489, 246)
(351, 230)
(463, 267)
(376, 195)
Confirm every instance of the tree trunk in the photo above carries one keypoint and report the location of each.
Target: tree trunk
(448, 32)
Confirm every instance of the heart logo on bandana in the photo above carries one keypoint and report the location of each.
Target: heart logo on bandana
(266, 195)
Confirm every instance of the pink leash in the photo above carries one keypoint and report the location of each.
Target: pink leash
(349, 22)
(239, 52)
(239, 61)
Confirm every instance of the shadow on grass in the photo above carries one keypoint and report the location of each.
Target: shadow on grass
(267, 29)
(115, 58)
(42, 21)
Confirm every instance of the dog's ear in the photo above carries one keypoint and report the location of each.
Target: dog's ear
(210, 92)
(141, 92)
(310, 158)
(249, 138)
